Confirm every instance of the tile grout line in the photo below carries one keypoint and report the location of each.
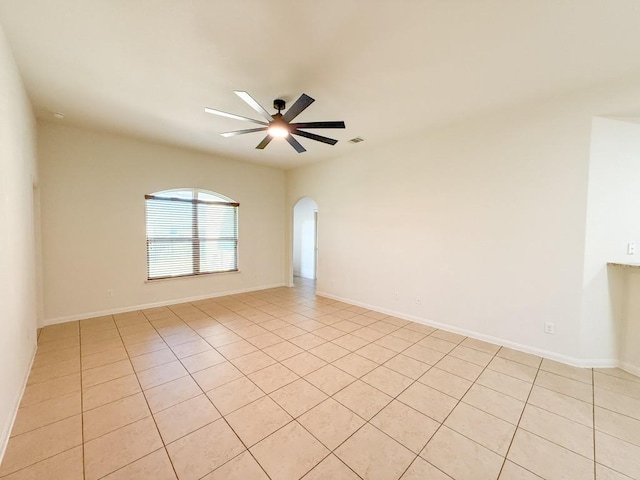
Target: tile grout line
(526, 402)
(246, 449)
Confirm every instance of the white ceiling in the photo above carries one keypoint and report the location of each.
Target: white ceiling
(386, 67)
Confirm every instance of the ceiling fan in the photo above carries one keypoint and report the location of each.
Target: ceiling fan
(279, 125)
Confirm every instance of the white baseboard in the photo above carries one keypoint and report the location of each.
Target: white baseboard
(4, 438)
(576, 362)
(632, 369)
(163, 303)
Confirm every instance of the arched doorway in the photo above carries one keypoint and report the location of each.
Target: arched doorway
(305, 239)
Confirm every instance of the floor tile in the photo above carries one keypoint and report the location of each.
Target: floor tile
(498, 404)
(307, 341)
(618, 385)
(363, 399)
(446, 382)
(329, 352)
(217, 375)
(407, 366)
(113, 416)
(204, 450)
(242, 467)
(355, 365)
(298, 397)
(155, 466)
(253, 362)
(429, 401)
(234, 395)
(505, 384)
(572, 388)
(605, 473)
(303, 363)
(560, 430)
(422, 470)
(575, 373)
(258, 419)
(374, 456)
(44, 391)
(459, 367)
(161, 374)
(616, 425)
(181, 419)
(171, 393)
(387, 381)
(423, 354)
(331, 423)
(329, 379)
(66, 465)
(621, 456)
(283, 350)
(486, 347)
(563, 405)
(56, 370)
(331, 468)
(236, 349)
(511, 471)
(47, 412)
(42, 443)
(481, 427)
(350, 342)
(153, 359)
(114, 450)
(273, 377)
(105, 373)
(520, 357)
(406, 425)
(546, 459)
(470, 355)
(191, 348)
(289, 453)
(437, 344)
(460, 457)
(617, 403)
(376, 353)
(203, 360)
(513, 369)
(103, 358)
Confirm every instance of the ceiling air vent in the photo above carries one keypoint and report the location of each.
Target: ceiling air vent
(356, 140)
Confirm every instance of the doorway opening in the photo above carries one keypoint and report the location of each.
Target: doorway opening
(305, 242)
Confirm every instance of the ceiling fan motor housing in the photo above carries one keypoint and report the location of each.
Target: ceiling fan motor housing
(279, 104)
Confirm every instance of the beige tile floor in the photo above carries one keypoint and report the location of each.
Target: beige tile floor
(282, 384)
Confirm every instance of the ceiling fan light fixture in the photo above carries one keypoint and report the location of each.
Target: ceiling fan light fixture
(278, 131)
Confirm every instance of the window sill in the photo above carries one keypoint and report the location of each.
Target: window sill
(182, 277)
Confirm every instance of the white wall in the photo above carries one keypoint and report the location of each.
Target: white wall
(304, 238)
(93, 220)
(18, 302)
(484, 221)
(613, 220)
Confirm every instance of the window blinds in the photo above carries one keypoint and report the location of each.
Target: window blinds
(190, 236)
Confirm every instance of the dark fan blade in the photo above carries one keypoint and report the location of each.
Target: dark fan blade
(242, 132)
(231, 115)
(318, 125)
(255, 105)
(265, 141)
(295, 144)
(300, 104)
(313, 136)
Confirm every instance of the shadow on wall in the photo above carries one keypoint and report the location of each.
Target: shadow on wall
(305, 257)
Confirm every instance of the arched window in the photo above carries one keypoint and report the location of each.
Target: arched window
(190, 232)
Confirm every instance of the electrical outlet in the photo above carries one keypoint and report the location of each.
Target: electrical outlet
(109, 293)
(418, 300)
(397, 296)
(549, 328)
(631, 248)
